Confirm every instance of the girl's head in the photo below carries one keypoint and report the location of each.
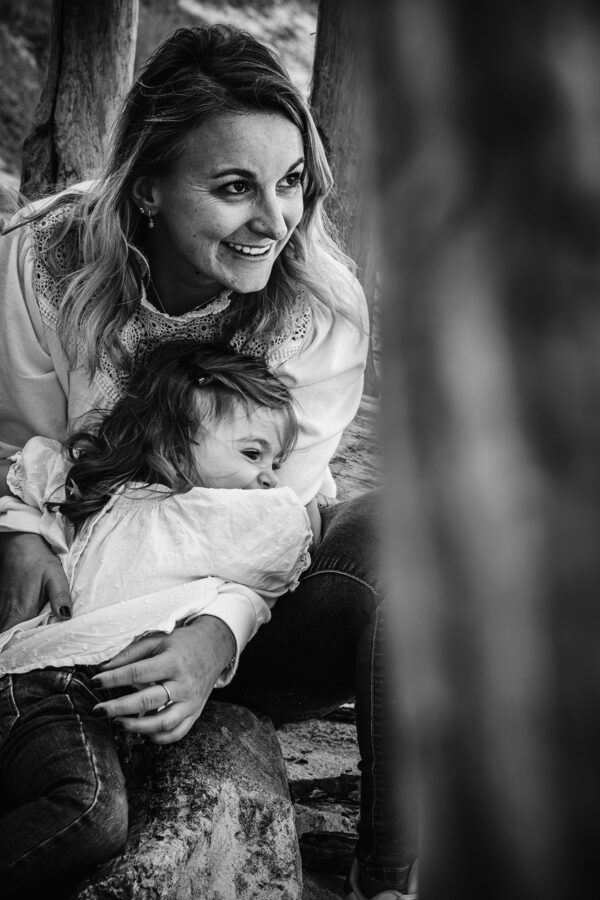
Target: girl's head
(192, 416)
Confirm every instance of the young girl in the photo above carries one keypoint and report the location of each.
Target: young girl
(160, 514)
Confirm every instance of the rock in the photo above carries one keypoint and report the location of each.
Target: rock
(318, 748)
(212, 818)
(322, 886)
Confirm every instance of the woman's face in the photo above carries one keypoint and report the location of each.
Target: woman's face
(228, 207)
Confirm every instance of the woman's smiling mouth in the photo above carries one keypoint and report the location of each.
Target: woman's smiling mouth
(248, 249)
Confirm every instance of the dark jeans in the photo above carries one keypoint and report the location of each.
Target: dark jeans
(63, 803)
(324, 646)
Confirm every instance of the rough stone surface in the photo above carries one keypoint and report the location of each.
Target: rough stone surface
(212, 818)
(318, 748)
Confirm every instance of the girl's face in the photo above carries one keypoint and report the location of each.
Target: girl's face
(240, 451)
(227, 208)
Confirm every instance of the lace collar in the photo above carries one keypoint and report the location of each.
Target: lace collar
(215, 306)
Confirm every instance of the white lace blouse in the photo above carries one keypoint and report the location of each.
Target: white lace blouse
(151, 560)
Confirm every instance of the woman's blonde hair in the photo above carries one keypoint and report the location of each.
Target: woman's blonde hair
(196, 74)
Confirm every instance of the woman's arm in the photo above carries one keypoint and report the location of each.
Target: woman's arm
(31, 576)
(326, 381)
(32, 401)
(189, 660)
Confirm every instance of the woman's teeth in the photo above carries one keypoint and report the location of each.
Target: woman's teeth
(249, 251)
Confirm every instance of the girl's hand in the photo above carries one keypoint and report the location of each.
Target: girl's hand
(30, 576)
(188, 661)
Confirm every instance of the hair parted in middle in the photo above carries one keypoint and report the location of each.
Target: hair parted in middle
(193, 76)
(149, 435)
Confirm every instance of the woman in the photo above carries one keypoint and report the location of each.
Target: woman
(208, 224)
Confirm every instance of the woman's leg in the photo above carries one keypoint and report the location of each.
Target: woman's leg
(64, 804)
(324, 646)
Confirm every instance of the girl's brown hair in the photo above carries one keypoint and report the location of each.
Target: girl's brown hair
(149, 434)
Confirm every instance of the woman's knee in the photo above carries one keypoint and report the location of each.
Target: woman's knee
(350, 545)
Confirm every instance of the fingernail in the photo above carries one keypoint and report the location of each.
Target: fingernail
(100, 712)
(65, 612)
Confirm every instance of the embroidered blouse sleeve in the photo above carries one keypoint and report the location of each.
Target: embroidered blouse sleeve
(32, 397)
(326, 379)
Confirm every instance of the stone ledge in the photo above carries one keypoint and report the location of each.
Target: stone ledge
(211, 818)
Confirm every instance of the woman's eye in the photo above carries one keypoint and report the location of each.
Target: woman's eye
(294, 179)
(236, 187)
(251, 454)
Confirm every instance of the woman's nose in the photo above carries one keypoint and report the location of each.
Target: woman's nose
(270, 219)
(268, 479)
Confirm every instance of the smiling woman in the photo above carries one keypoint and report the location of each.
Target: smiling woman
(225, 210)
(206, 227)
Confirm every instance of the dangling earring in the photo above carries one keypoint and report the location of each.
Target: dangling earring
(146, 212)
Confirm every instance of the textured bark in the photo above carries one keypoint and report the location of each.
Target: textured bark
(90, 66)
(492, 392)
(342, 114)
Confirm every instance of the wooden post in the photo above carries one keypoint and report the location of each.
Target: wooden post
(90, 66)
(342, 114)
(491, 195)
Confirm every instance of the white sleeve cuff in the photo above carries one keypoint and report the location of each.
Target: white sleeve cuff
(243, 611)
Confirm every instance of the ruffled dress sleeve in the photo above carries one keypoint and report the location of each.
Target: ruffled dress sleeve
(37, 476)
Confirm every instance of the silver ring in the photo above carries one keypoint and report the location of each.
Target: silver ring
(169, 698)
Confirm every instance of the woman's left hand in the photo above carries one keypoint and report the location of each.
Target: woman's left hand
(187, 662)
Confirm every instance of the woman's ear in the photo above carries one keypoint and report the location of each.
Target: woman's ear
(144, 192)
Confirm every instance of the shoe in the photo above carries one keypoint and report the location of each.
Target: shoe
(353, 891)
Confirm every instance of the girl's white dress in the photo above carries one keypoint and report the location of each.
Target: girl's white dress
(151, 560)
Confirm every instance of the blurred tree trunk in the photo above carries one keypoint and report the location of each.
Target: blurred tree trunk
(491, 194)
(90, 66)
(342, 115)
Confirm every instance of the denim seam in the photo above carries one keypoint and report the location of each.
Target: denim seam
(12, 702)
(393, 873)
(342, 575)
(90, 806)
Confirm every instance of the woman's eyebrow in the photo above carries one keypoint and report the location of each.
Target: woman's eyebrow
(234, 170)
(247, 173)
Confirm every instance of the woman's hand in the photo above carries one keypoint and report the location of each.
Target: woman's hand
(188, 662)
(30, 576)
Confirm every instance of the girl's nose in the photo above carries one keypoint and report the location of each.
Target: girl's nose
(268, 479)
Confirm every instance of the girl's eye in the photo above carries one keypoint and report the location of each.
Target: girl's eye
(236, 187)
(251, 454)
